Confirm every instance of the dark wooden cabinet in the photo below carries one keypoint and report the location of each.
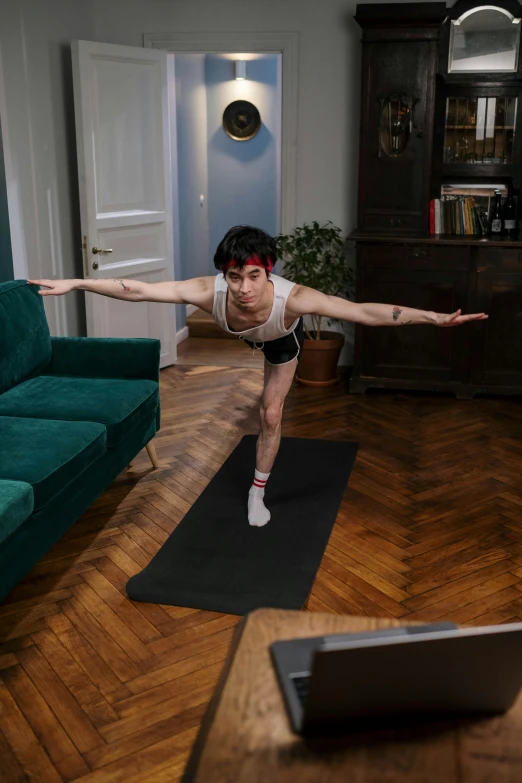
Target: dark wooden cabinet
(399, 68)
(442, 276)
(498, 359)
(424, 278)
(406, 87)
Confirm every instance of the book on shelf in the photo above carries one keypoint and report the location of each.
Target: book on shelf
(463, 210)
(457, 215)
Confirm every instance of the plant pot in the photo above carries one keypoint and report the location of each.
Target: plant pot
(318, 361)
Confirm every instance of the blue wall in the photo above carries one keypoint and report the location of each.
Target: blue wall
(240, 181)
(243, 176)
(6, 256)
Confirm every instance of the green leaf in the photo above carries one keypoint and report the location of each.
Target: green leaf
(315, 256)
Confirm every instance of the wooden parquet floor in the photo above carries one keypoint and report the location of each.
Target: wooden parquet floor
(94, 688)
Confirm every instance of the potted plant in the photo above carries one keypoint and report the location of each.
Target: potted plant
(315, 255)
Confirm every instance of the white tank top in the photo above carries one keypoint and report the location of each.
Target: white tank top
(273, 328)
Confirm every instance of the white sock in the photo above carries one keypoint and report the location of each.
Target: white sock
(258, 514)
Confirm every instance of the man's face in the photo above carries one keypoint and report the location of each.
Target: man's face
(247, 286)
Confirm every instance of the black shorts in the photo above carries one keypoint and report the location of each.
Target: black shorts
(284, 349)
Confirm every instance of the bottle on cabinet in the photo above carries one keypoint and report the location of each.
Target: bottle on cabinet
(509, 217)
(495, 221)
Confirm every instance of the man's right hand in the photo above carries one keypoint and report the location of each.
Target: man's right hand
(54, 287)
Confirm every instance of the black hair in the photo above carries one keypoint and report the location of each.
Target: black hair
(241, 243)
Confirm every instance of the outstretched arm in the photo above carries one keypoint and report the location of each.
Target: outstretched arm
(308, 301)
(198, 291)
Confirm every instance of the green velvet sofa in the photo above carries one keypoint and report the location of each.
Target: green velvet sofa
(74, 412)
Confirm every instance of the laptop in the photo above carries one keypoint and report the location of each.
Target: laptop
(345, 681)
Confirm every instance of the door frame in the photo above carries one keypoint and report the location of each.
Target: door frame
(284, 43)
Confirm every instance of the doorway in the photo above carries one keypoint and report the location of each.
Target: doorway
(223, 179)
(285, 44)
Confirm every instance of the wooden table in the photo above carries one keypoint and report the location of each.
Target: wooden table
(246, 738)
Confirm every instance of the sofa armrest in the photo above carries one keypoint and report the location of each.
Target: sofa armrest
(105, 357)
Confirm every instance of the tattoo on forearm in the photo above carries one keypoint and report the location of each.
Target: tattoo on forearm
(125, 288)
(396, 315)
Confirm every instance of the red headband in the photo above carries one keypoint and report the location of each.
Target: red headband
(252, 261)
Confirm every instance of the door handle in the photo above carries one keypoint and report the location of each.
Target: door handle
(101, 250)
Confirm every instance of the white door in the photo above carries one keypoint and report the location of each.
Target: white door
(124, 163)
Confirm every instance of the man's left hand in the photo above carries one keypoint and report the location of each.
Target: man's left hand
(456, 319)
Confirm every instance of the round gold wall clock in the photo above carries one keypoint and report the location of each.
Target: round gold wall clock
(241, 120)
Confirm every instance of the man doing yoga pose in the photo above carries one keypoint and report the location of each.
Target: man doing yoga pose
(264, 310)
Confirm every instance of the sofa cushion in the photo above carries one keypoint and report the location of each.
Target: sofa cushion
(16, 505)
(48, 454)
(25, 343)
(118, 404)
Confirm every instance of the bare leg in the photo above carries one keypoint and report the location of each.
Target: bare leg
(278, 380)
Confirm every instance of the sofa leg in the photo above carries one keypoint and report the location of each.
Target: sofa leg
(151, 451)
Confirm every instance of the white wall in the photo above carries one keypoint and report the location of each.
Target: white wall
(34, 46)
(39, 139)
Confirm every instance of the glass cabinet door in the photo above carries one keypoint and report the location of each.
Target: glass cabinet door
(484, 39)
(480, 130)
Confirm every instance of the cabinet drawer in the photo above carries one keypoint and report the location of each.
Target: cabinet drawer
(416, 256)
(388, 222)
(499, 259)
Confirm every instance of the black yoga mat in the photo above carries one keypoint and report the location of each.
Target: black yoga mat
(215, 560)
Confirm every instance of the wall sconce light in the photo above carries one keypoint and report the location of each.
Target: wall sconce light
(240, 70)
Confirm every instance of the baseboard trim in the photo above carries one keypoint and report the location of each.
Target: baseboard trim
(181, 335)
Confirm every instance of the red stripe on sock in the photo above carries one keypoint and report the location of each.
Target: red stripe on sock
(260, 484)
